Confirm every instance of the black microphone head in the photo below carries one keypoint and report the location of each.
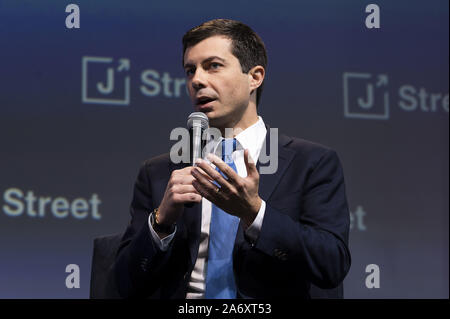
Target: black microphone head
(198, 117)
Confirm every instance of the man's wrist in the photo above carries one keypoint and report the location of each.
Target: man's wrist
(160, 227)
(250, 216)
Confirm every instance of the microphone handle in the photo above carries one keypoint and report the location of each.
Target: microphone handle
(196, 149)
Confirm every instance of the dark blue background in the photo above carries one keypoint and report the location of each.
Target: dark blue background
(55, 145)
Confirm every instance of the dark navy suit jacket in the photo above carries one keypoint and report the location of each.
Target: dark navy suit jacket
(303, 239)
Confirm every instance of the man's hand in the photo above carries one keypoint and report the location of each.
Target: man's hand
(179, 191)
(237, 196)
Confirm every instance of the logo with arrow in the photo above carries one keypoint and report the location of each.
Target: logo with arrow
(105, 81)
(366, 96)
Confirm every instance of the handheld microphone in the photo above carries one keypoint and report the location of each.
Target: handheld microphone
(197, 123)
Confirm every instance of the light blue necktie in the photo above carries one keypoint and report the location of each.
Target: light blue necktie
(220, 282)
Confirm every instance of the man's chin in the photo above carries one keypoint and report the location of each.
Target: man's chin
(212, 118)
(216, 121)
(210, 114)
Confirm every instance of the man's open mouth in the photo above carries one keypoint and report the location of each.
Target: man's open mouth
(204, 100)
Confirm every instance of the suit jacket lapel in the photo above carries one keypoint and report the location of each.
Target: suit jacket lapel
(268, 182)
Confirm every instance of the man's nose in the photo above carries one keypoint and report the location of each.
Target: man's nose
(198, 79)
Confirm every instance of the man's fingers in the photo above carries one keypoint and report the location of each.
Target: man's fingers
(203, 178)
(183, 189)
(249, 163)
(213, 174)
(185, 179)
(202, 171)
(204, 186)
(188, 197)
(224, 168)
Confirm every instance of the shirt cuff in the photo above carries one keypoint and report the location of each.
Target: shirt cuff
(164, 243)
(254, 229)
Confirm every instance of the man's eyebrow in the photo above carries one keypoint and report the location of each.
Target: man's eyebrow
(209, 59)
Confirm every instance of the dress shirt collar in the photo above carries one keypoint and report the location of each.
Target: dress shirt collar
(252, 138)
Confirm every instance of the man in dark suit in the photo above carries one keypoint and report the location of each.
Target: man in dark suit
(221, 229)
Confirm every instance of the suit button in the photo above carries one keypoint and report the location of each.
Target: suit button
(280, 254)
(144, 264)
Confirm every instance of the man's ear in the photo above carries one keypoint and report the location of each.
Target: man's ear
(256, 77)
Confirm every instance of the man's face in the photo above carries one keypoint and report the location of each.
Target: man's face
(217, 86)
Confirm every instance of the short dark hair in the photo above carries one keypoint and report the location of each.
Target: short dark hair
(246, 45)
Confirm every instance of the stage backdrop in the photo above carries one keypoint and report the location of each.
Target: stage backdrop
(81, 108)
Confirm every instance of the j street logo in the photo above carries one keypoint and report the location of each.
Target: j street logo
(366, 96)
(105, 80)
(359, 102)
(112, 89)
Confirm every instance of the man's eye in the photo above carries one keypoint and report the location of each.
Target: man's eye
(215, 65)
(189, 72)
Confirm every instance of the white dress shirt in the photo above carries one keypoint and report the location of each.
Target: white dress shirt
(252, 138)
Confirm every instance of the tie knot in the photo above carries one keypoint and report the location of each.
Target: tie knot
(228, 147)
